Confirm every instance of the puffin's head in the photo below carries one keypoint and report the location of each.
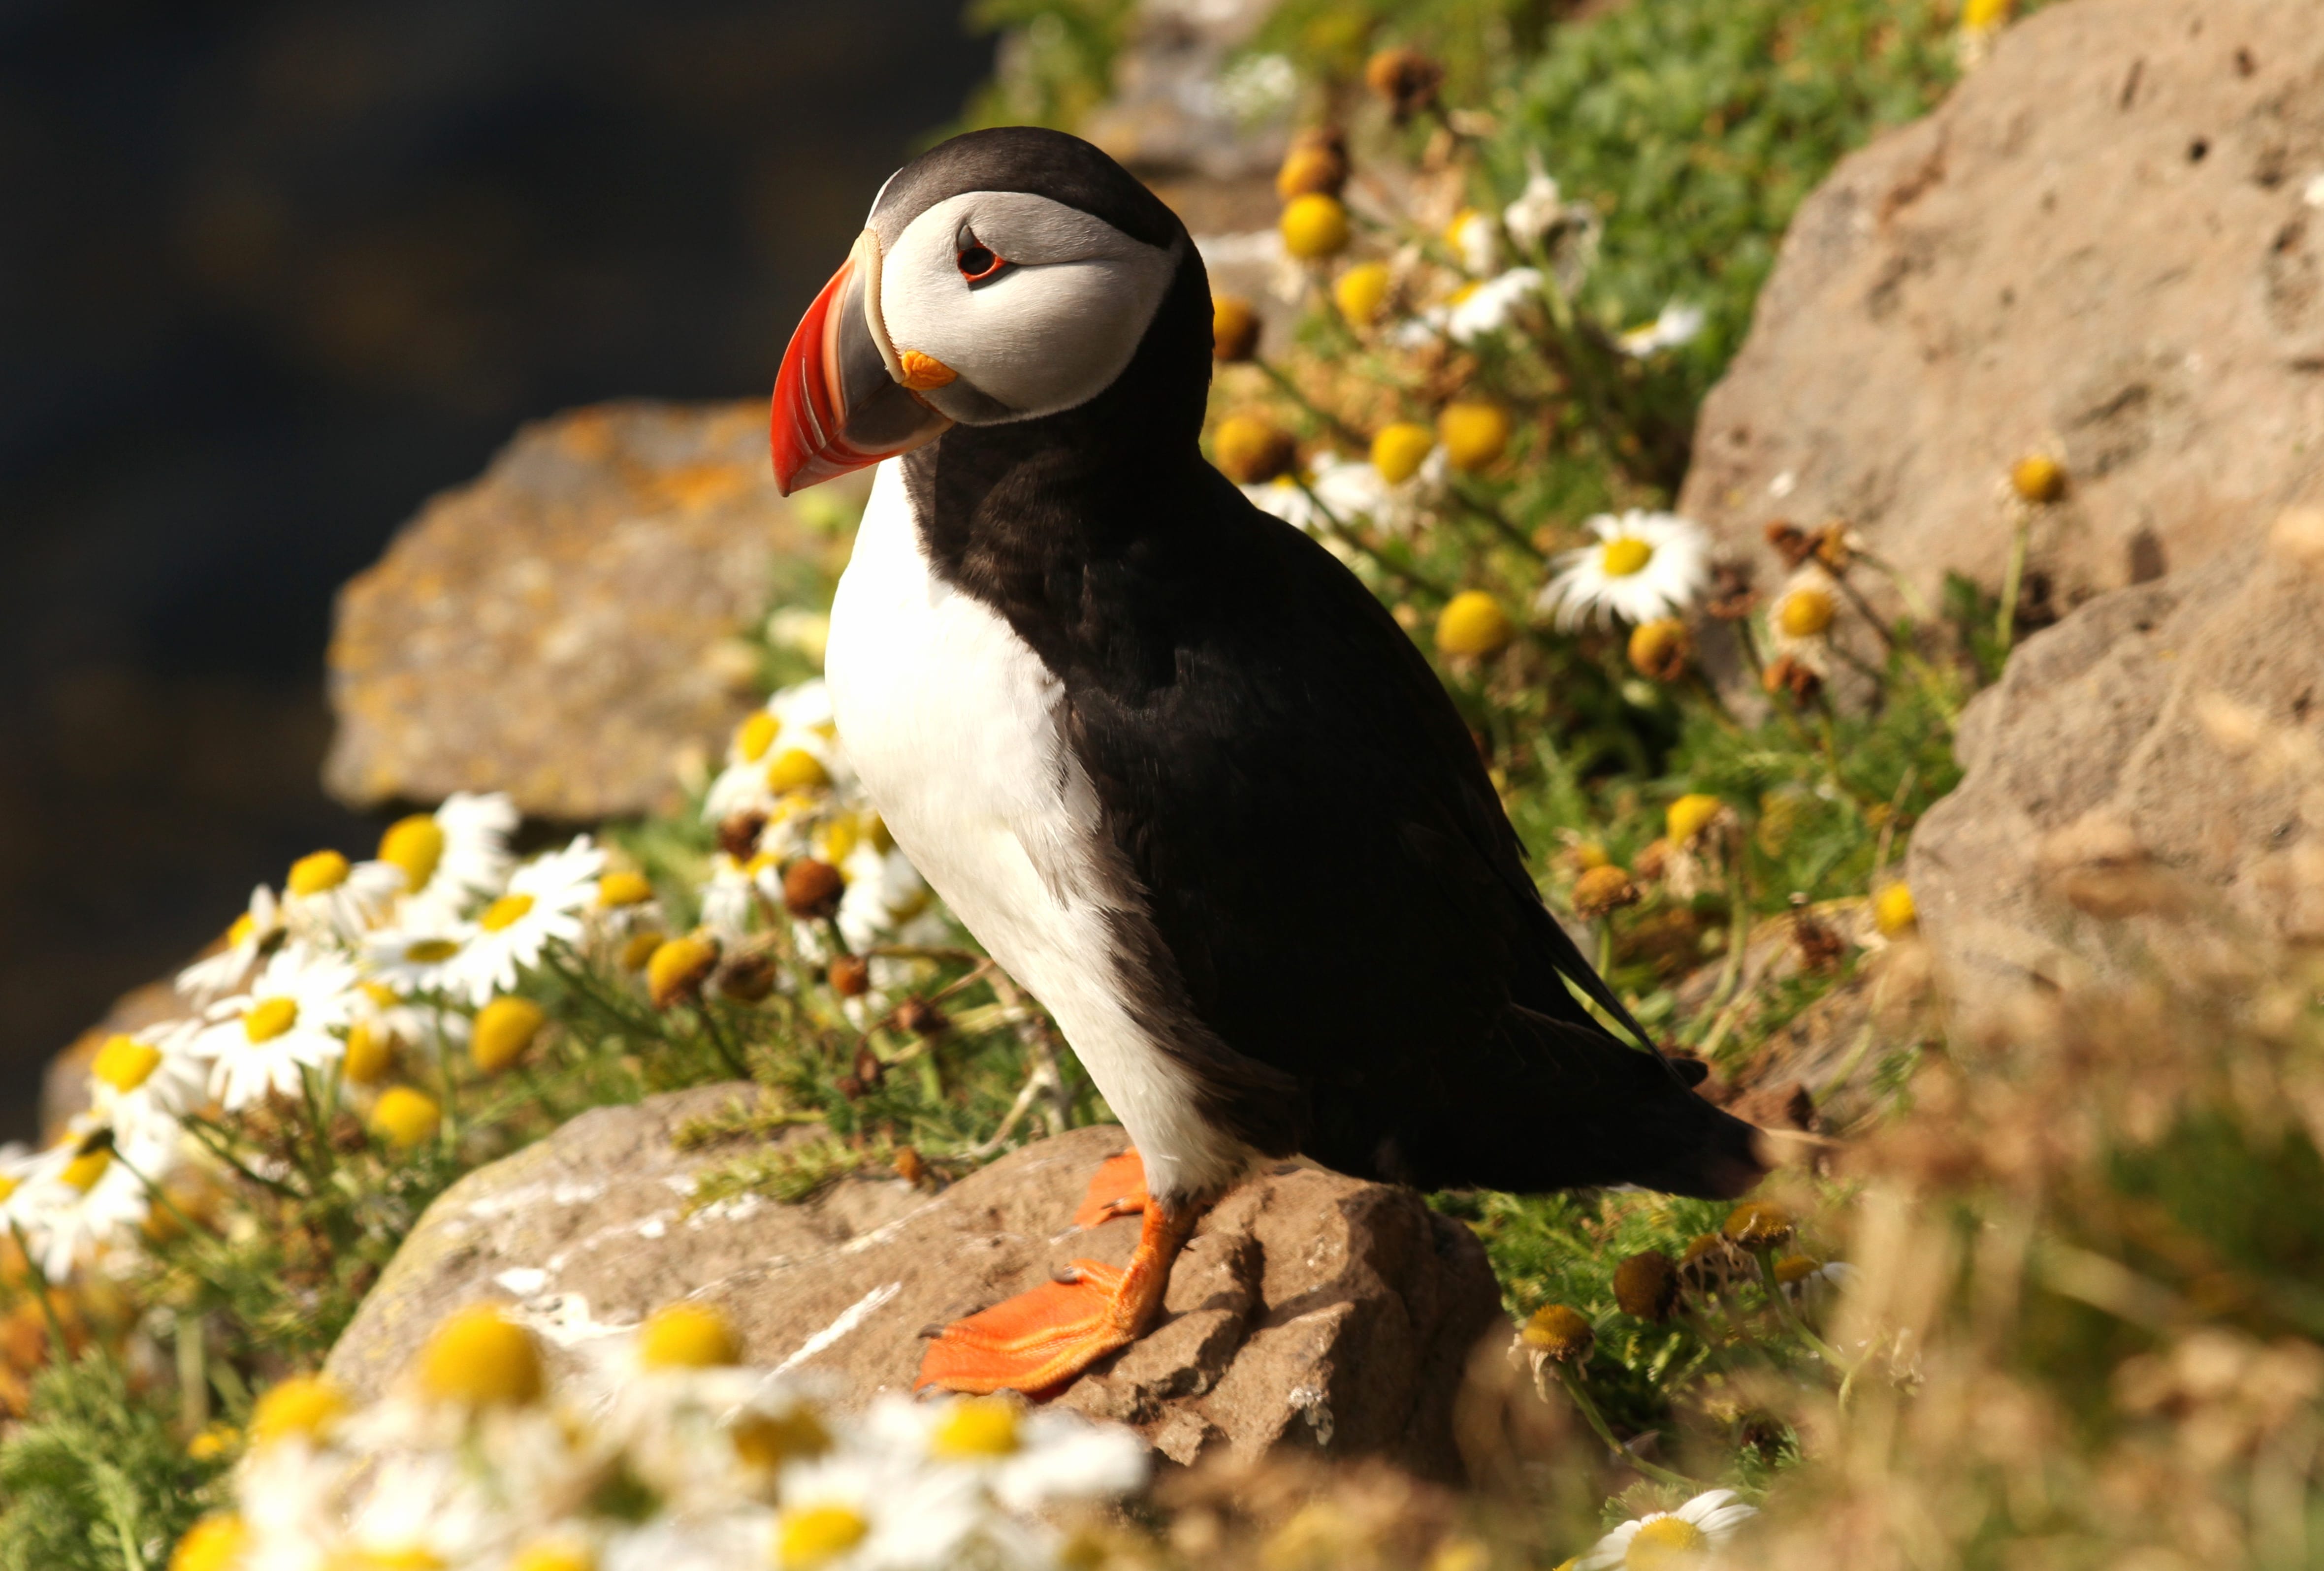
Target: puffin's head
(1002, 276)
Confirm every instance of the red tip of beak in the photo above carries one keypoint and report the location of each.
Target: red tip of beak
(810, 414)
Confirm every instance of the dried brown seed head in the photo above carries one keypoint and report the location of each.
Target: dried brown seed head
(1646, 1285)
(812, 888)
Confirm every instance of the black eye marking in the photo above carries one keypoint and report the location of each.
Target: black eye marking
(978, 262)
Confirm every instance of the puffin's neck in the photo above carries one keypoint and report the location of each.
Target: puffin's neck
(1015, 514)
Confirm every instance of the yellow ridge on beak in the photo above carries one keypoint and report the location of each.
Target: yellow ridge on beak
(923, 372)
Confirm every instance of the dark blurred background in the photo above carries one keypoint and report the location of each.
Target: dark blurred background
(272, 273)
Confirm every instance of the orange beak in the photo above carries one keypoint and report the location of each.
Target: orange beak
(838, 405)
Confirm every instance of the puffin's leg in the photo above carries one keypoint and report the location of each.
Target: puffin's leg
(1117, 1189)
(1037, 1341)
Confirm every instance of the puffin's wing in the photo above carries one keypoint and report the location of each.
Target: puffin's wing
(1322, 852)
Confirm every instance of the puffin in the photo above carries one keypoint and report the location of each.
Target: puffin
(1168, 760)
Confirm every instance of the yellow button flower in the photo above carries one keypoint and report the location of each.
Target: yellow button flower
(314, 873)
(1251, 450)
(304, 1405)
(1314, 226)
(2038, 478)
(624, 888)
(481, 1358)
(1361, 293)
(1893, 910)
(503, 1029)
(1806, 613)
(1234, 329)
(755, 735)
(685, 1336)
(370, 1055)
(1400, 449)
(1474, 433)
(414, 844)
(1689, 816)
(981, 1425)
(816, 1535)
(1473, 626)
(404, 1117)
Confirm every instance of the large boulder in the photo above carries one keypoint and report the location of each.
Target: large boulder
(1311, 1310)
(2107, 246)
(2144, 787)
(563, 628)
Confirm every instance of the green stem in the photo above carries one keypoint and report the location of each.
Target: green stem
(1291, 389)
(718, 1039)
(1597, 1422)
(213, 1141)
(1787, 1312)
(1355, 542)
(1493, 516)
(41, 1291)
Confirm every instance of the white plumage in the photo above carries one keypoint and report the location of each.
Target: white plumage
(952, 722)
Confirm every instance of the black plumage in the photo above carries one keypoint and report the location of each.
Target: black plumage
(1327, 912)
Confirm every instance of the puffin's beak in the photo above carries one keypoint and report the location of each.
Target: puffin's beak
(840, 401)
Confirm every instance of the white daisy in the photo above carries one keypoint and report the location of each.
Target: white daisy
(850, 1513)
(456, 855)
(1675, 325)
(421, 954)
(143, 1081)
(545, 904)
(327, 899)
(393, 1024)
(886, 900)
(1667, 1539)
(1027, 1457)
(1489, 305)
(1539, 208)
(288, 1021)
(729, 898)
(256, 932)
(88, 1192)
(790, 745)
(1347, 491)
(1474, 241)
(1644, 566)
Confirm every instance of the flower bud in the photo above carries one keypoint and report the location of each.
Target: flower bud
(504, 1028)
(1893, 910)
(2038, 478)
(1314, 226)
(1789, 541)
(747, 977)
(1316, 164)
(1806, 612)
(1559, 1332)
(851, 976)
(921, 1018)
(1361, 293)
(1759, 1224)
(1472, 626)
(1660, 649)
(1646, 1285)
(679, 968)
(1474, 433)
(1234, 329)
(1603, 890)
(1252, 451)
(1406, 78)
(812, 889)
(1689, 816)
(404, 1117)
(1400, 449)
(738, 834)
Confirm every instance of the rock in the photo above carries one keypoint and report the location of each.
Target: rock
(1177, 110)
(2144, 788)
(2107, 246)
(1311, 1311)
(563, 629)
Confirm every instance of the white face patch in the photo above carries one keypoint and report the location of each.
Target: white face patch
(1051, 330)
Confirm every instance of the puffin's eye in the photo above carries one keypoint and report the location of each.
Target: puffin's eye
(978, 263)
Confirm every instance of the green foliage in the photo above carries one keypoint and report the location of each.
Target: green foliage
(96, 1480)
(1056, 61)
(1697, 126)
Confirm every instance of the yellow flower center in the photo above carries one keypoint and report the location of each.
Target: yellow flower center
(796, 769)
(1313, 227)
(7, 1186)
(269, 1018)
(240, 932)
(1795, 1268)
(1894, 911)
(215, 1440)
(212, 1544)
(624, 888)
(816, 1534)
(875, 829)
(1664, 1541)
(504, 1028)
(755, 735)
(1400, 450)
(415, 844)
(1689, 815)
(1804, 613)
(687, 1336)
(371, 1054)
(481, 1358)
(316, 872)
(1625, 554)
(1474, 434)
(838, 840)
(305, 1404)
(504, 912)
(1472, 625)
(429, 952)
(379, 993)
(413, 1557)
(126, 1063)
(83, 1171)
(405, 1117)
(984, 1425)
(640, 949)
(764, 1441)
(1361, 291)
(555, 1557)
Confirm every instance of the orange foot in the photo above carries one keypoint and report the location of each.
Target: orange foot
(1037, 1341)
(1119, 1190)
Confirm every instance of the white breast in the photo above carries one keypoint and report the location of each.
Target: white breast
(951, 720)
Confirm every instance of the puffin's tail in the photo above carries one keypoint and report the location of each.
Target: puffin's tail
(1564, 1106)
